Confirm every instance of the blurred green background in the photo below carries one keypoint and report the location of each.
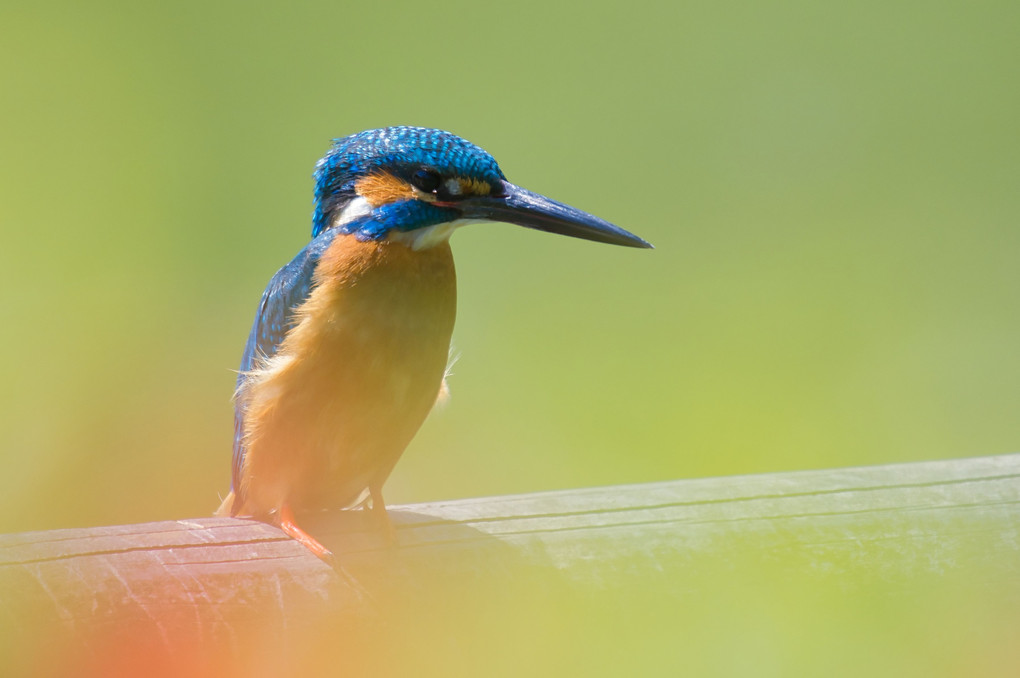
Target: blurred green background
(832, 191)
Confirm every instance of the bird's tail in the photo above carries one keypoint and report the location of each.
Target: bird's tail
(226, 509)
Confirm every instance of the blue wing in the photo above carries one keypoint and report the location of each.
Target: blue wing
(288, 289)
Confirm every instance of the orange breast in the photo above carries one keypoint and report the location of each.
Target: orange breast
(332, 412)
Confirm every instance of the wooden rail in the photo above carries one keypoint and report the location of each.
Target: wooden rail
(215, 596)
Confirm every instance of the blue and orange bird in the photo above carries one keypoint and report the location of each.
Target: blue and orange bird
(349, 347)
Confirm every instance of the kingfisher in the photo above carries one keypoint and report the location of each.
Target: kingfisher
(349, 348)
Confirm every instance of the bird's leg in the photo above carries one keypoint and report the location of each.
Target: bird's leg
(291, 529)
(381, 517)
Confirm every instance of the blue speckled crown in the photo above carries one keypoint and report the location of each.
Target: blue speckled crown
(400, 150)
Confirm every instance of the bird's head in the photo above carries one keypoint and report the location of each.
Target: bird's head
(418, 185)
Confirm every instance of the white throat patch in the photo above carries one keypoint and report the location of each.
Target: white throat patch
(430, 236)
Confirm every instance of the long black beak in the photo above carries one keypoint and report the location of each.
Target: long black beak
(515, 205)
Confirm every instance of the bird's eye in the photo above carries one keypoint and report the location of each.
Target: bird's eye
(426, 179)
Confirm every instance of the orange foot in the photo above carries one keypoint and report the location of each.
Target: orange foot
(292, 530)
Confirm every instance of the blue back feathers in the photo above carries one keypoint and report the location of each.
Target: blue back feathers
(399, 151)
(288, 289)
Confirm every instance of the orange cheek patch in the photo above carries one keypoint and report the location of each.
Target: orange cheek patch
(381, 189)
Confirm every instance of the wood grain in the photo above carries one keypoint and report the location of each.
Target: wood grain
(216, 592)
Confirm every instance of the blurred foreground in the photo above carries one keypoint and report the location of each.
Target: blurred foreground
(883, 571)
